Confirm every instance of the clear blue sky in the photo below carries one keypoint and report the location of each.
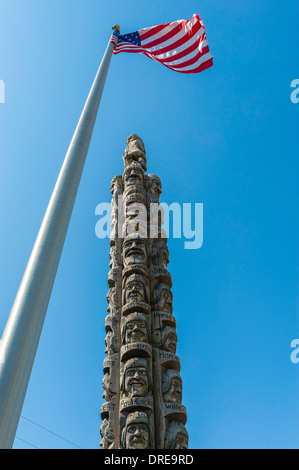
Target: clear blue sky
(227, 138)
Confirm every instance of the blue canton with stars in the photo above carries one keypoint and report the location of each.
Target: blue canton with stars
(133, 38)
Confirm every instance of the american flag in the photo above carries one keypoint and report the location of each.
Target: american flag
(180, 45)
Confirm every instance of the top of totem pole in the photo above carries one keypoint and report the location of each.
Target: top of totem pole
(135, 152)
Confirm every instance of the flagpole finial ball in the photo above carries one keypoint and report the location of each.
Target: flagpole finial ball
(116, 27)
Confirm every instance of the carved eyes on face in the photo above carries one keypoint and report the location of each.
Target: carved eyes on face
(176, 388)
(171, 342)
(137, 436)
(166, 301)
(142, 428)
(136, 331)
(156, 188)
(137, 324)
(138, 371)
(135, 290)
(131, 244)
(135, 248)
(134, 177)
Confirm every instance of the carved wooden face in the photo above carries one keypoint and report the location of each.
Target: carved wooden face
(107, 386)
(181, 441)
(135, 292)
(134, 251)
(160, 254)
(107, 434)
(115, 260)
(135, 151)
(137, 436)
(165, 302)
(111, 342)
(155, 188)
(171, 342)
(162, 298)
(136, 331)
(174, 394)
(136, 381)
(112, 297)
(133, 176)
(116, 185)
(176, 436)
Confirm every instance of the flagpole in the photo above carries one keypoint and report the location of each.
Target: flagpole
(23, 329)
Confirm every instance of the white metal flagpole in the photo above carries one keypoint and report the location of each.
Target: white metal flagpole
(22, 331)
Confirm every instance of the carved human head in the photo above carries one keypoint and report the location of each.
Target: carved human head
(166, 339)
(136, 380)
(135, 151)
(107, 434)
(116, 185)
(176, 436)
(134, 250)
(154, 187)
(137, 432)
(160, 254)
(135, 289)
(135, 328)
(133, 175)
(172, 386)
(162, 298)
(112, 343)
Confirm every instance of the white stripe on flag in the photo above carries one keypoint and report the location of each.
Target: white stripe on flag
(197, 63)
(175, 38)
(161, 33)
(184, 46)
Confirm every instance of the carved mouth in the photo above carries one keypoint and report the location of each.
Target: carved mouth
(137, 383)
(167, 307)
(135, 295)
(138, 441)
(134, 252)
(134, 179)
(137, 336)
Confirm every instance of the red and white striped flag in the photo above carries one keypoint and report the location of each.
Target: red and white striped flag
(181, 45)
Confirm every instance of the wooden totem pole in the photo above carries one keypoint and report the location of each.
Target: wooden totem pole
(142, 383)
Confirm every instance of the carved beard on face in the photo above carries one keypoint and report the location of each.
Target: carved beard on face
(134, 177)
(136, 381)
(137, 436)
(135, 251)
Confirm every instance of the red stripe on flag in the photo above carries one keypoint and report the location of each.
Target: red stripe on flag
(167, 36)
(195, 28)
(186, 51)
(203, 66)
(152, 31)
(194, 59)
